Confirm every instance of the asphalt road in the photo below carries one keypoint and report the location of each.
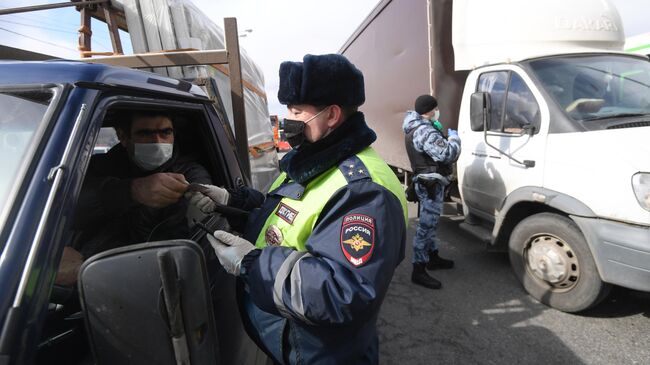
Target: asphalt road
(483, 316)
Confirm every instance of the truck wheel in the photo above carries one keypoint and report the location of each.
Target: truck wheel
(552, 260)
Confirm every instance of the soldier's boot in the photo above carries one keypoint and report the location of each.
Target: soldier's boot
(420, 277)
(436, 262)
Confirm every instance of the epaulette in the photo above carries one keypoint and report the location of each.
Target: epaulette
(354, 169)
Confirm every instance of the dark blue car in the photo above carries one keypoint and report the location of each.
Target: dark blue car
(53, 118)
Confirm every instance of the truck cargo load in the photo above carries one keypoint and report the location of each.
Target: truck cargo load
(178, 25)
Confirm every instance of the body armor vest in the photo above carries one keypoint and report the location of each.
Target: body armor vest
(421, 162)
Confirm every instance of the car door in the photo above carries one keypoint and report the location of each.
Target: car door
(41, 322)
(510, 155)
(202, 134)
(37, 211)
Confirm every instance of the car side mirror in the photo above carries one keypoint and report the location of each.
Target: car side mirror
(480, 111)
(529, 129)
(149, 304)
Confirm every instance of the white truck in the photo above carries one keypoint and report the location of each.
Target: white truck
(554, 120)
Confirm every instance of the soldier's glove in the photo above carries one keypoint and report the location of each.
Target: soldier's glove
(205, 197)
(230, 250)
(452, 133)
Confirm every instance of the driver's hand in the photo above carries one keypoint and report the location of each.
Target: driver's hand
(207, 199)
(159, 190)
(69, 267)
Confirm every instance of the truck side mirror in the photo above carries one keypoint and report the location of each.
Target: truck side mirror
(149, 304)
(479, 106)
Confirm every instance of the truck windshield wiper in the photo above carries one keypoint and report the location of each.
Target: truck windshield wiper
(621, 115)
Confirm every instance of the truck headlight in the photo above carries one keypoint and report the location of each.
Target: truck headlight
(641, 187)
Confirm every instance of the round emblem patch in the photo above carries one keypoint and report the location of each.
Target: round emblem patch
(273, 235)
(358, 238)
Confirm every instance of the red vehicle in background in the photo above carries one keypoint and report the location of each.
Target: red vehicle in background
(281, 144)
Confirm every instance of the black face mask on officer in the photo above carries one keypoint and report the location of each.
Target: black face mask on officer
(294, 130)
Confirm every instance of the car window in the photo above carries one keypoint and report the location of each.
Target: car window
(21, 115)
(594, 90)
(521, 107)
(495, 84)
(105, 141)
(102, 219)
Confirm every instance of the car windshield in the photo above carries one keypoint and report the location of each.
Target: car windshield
(22, 115)
(597, 88)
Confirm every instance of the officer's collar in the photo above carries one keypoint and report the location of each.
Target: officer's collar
(310, 160)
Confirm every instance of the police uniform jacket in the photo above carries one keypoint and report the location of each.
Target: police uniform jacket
(331, 233)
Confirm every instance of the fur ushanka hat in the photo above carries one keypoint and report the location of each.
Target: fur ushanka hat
(321, 80)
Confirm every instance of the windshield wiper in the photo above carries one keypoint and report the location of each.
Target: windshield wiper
(621, 115)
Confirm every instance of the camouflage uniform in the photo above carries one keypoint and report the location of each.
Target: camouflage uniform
(444, 151)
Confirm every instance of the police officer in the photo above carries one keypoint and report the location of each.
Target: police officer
(317, 257)
(431, 155)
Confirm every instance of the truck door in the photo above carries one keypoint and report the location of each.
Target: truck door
(492, 161)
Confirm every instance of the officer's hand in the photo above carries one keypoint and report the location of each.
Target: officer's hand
(452, 133)
(230, 250)
(158, 190)
(206, 198)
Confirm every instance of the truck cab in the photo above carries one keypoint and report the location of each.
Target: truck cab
(53, 114)
(554, 165)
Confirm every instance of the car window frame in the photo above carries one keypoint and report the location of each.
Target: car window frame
(501, 130)
(536, 123)
(217, 158)
(95, 119)
(60, 91)
(502, 106)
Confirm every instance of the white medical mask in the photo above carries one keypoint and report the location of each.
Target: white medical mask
(436, 115)
(150, 156)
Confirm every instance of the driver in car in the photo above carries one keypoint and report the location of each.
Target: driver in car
(134, 193)
(139, 191)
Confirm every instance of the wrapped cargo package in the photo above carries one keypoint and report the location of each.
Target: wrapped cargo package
(158, 25)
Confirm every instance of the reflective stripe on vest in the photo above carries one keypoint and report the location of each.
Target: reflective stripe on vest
(293, 220)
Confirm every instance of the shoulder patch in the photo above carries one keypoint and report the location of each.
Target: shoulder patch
(358, 238)
(287, 213)
(441, 143)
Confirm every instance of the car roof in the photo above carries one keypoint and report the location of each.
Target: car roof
(73, 72)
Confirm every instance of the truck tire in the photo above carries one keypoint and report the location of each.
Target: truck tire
(551, 258)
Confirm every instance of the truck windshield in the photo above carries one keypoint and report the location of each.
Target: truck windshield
(597, 88)
(21, 116)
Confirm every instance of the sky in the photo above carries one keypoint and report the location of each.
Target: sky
(52, 32)
(286, 30)
(282, 30)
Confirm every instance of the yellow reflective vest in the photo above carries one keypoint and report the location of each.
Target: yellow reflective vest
(293, 220)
